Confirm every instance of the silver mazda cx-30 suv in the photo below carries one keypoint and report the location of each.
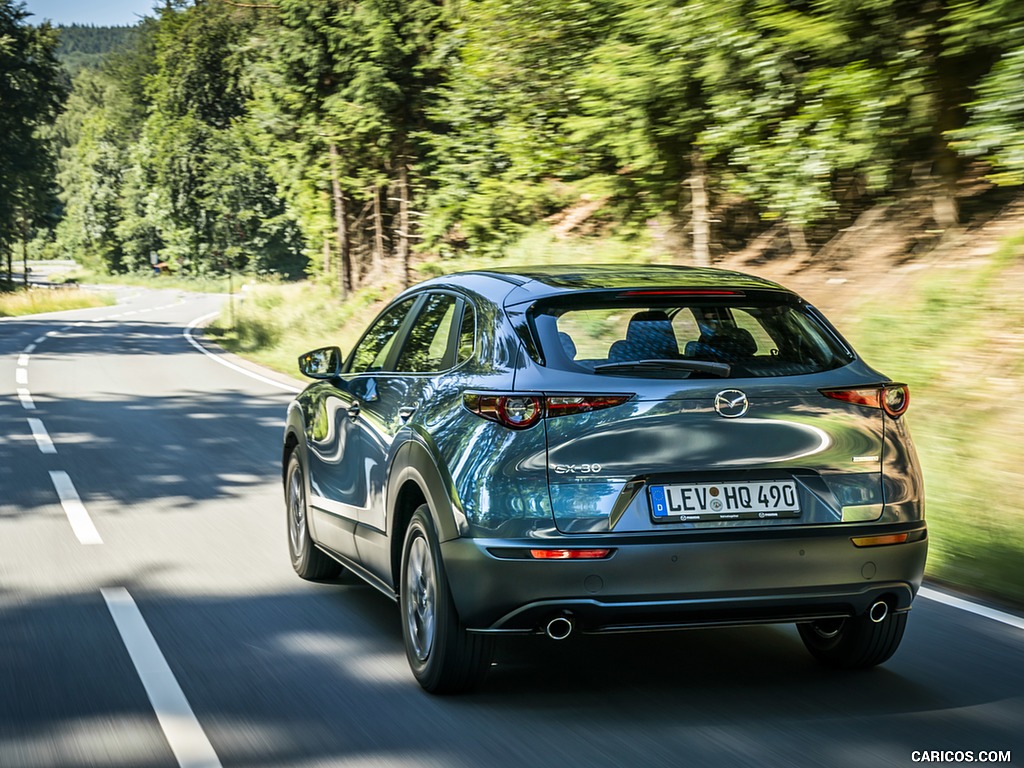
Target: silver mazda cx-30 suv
(599, 449)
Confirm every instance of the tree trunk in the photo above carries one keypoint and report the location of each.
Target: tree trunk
(378, 232)
(403, 219)
(798, 242)
(699, 206)
(341, 227)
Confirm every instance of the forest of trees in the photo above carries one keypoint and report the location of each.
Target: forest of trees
(335, 138)
(84, 45)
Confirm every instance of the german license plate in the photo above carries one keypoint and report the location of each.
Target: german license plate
(705, 502)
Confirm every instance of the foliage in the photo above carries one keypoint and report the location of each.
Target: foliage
(327, 137)
(86, 46)
(31, 94)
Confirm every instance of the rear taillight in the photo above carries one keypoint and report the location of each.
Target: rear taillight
(522, 411)
(894, 399)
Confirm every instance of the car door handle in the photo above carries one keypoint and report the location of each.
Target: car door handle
(353, 411)
(405, 413)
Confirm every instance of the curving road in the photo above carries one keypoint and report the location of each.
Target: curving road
(149, 615)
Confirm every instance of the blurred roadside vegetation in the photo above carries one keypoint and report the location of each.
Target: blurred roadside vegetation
(339, 140)
(956, 335)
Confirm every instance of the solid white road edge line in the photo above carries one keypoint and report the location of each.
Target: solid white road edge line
(43, 441)
(188, 336)
(966, 605)
(184, 734)
(77, 515)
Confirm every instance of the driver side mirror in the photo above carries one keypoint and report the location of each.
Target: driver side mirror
(323, 363)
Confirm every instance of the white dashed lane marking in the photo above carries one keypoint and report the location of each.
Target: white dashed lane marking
(21, 375)
(75, 510)
(23, 359)
(26, 400)
(42, 436)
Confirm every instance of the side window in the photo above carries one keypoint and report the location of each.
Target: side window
(426, 349)
(467, 334)
(372, 351)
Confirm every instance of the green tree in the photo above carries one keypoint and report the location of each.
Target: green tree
(31, 94)
(341, 96)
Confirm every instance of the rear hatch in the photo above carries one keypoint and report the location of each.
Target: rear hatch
(725, 417)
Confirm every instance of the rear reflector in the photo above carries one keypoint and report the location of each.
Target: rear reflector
(569, 554)
(894, 399)
(879, 541)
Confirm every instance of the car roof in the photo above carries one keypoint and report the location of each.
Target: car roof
(525, 283)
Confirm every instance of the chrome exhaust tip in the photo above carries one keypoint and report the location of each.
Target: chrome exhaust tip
(878, 611)
(559, 628)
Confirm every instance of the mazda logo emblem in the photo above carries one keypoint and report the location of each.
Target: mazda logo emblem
(731, 403)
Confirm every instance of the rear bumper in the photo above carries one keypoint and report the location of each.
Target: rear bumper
(662, 582)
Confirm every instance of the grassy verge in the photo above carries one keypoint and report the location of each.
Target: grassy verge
(275, 323)
(38, 300)
(958, 340)
(196, 284)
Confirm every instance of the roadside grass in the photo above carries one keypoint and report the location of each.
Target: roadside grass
(956, 337)
(958, 341)
(34, 301)
(81, 275)
(273, 323)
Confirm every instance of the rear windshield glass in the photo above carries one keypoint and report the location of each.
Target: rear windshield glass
(736, 337)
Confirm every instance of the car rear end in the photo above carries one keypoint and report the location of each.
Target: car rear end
(715, 454)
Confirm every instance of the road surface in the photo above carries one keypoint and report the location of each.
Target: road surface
(149, 615)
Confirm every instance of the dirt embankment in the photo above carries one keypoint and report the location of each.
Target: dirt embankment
(876, 257)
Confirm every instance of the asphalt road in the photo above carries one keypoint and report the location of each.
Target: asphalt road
(149, 615)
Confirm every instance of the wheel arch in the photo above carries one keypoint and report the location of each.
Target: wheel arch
(416, 481)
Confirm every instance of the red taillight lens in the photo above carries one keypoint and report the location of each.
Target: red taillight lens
(894, 399)
(565, 405)
(522, 411)
(569, 554)
(512, 411)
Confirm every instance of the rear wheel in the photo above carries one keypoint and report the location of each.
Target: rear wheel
(444, 657)
(853, 643)
(308, 561)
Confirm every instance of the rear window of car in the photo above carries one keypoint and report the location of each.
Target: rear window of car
(738, 336)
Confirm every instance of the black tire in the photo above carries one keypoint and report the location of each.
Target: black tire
(308, 561)
(853, 643)
(444, 657)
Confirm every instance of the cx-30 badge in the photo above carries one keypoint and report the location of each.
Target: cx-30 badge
(731, 403)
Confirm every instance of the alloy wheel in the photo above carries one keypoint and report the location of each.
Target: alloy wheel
(420, 598)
